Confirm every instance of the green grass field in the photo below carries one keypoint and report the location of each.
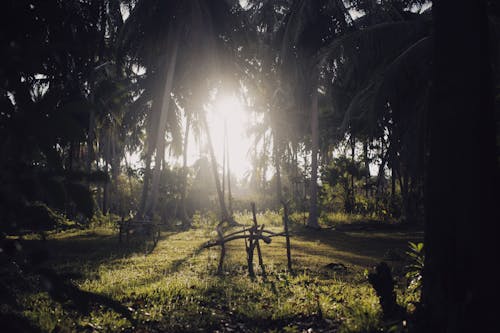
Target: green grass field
(176, 288)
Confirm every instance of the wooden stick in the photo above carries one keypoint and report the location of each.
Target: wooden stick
(266, 239)
(259, 253)
(240, 231)
(251, 245)
(222, 247)
(287, 236)
(246, 243)
(272, 234)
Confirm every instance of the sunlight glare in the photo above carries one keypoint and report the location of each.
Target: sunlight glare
(230, 109)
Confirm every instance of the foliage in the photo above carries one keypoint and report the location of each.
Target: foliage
(341, 173)
(414, 270)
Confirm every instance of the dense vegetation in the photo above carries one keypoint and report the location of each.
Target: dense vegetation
(371, 121)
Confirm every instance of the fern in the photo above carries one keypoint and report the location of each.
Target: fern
(416, 266)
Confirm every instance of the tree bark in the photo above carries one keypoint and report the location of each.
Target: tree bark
(459, 282)
(352, 196)
(312, 221)
(367, 167)
(277, 166)
(184, 216)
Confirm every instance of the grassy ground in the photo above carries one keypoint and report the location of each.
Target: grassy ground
(176, 289)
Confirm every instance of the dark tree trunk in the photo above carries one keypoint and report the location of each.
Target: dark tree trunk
(145, 182)
(105, 196)
(312, 221)
(352, 194)
(151, 136)
(107, 158)
(296, 177)
(155, 184)
(224, 155)
(264, 163)
(90, 142)
(163, 119)
(460, 284)
(277, 166)
(367, 167)
(393, 185)
(405, 192)
(229, 193)
(384, 156)
(184, 216)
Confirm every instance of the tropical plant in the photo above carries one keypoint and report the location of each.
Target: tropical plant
(416, 266)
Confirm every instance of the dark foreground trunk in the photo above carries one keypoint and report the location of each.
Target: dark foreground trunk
(462, 193)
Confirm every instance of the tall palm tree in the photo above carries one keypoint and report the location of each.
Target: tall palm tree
(309, 28)
(324, 44)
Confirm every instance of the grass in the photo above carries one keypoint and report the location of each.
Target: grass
(176, 289)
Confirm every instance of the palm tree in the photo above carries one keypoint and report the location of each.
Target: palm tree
(308, 31)
(352, 58)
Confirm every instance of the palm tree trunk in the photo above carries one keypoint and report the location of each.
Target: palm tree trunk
(393, 186)
(296, 195)
(184, 215)
(264, 163)
(145, 185)
(224, 153)
(150, 148)
(277, 166)
(312, 221)
(367, 167)
(129, 176)
(90, 142)
(107, 153)
(352, 196)
(155, 184)
(229, 193)
(224, 214)
(162, 125)
(105, 197)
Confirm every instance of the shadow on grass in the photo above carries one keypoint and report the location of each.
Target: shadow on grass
(55, 262)
(171, 268)
(28, 269)
(91, 248)
(63, 290)
(361, 247)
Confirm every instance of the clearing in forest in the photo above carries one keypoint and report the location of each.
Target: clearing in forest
(176, 289)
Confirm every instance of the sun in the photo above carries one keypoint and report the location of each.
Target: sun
(227, 114)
